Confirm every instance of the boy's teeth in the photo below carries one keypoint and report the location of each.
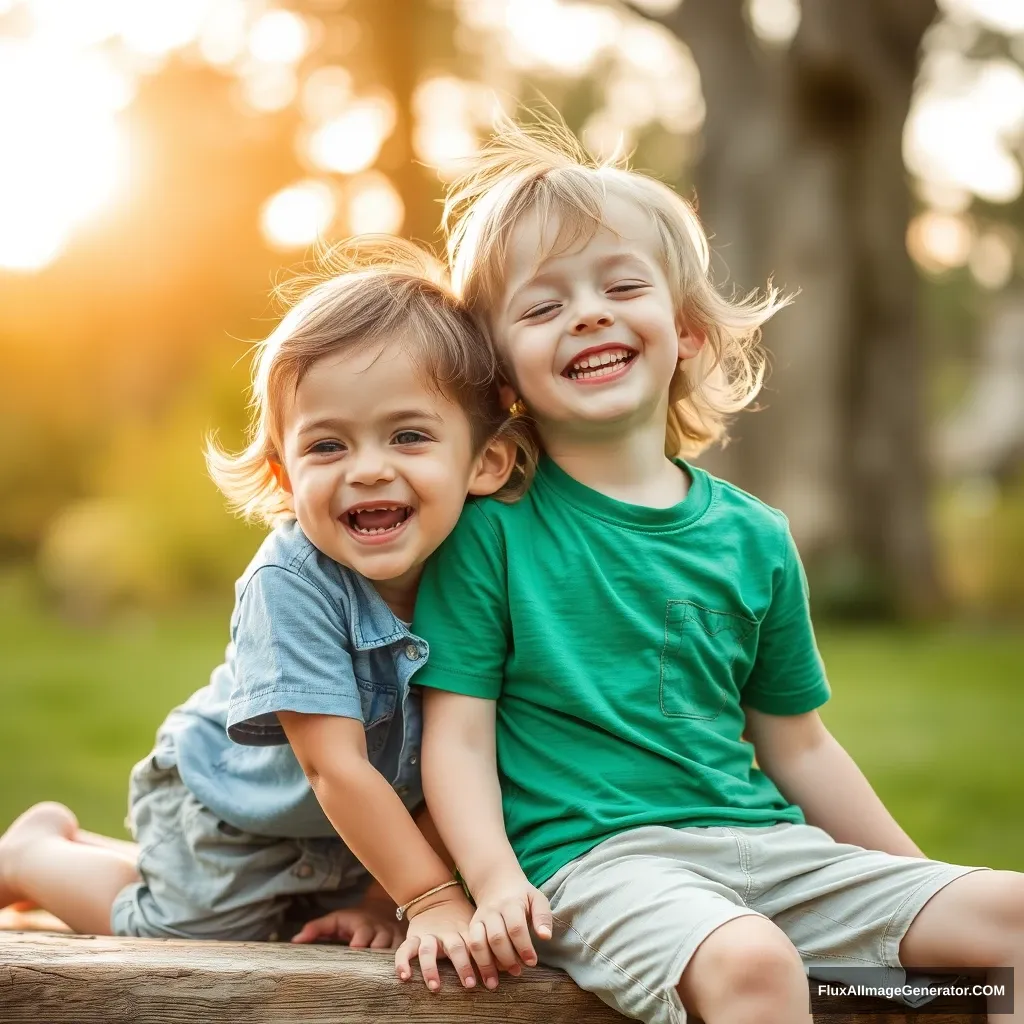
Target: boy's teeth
(598, 365)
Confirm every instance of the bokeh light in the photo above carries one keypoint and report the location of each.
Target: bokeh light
(939, 241)
(279, 37)
(350, 142)
(374, 205)
(991, 259)
(298, 215)
(71, 154)
(774, 21)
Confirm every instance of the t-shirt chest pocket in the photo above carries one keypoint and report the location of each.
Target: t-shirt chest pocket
(378, 702)
(704, 651)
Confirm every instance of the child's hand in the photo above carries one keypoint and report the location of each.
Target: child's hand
(506, 907)
(368, 926)
(443, 927)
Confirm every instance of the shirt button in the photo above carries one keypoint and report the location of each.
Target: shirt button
(412, 652)
(304, 870)
(413, 759)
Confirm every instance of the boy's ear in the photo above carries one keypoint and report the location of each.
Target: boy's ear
(280, 475)
(691, 340)
(493, 466)
(507, 396)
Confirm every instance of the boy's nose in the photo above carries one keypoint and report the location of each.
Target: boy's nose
(369, 468)
(592, 321)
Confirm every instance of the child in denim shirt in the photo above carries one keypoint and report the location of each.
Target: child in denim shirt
(376, 414)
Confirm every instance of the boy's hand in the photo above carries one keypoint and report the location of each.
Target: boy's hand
(367, 926)
(442, 927)
(506, 907)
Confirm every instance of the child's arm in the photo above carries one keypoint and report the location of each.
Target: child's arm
(376, 826)
(813, 771)
(460, 783)
(786, 686)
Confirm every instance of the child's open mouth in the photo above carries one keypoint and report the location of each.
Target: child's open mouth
(376, 524)
(599, 364)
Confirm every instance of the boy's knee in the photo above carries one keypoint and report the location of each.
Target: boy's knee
(1009, 907)
(746, 959)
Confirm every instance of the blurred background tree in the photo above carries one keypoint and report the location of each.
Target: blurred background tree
(166, 163)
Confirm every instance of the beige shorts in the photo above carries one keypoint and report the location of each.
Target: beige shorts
(630, 913)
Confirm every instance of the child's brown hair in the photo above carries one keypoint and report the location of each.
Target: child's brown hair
(372, 288)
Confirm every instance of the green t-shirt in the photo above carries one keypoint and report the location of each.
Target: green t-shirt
(620, 642)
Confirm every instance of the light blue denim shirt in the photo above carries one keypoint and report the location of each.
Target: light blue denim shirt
(311, 636)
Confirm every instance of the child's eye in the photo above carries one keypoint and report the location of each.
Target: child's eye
(630, 286)
(410, 437)
(326, 448)
(542, 310)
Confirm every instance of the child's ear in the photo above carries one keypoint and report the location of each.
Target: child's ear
(494, 466)
(691, 340)
(507, 396)
(280, 474)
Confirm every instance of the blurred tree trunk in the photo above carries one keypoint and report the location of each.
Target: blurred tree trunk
(393, 41)
(802, 179)
(398, 31)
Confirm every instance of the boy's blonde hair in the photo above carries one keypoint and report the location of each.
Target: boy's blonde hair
(543, 168)
(369, 289)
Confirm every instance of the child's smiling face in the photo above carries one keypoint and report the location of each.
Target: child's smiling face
(377, 461)
(591, 336)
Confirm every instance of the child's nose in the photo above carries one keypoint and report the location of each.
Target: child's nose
(369, 467)
(592, 321)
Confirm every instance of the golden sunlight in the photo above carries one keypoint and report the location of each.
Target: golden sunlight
(71, 155)
(374, 205)
(298, 215)
(350, 142)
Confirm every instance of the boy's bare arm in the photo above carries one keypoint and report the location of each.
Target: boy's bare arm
(460, 783)
(360, 803)
(812, 770)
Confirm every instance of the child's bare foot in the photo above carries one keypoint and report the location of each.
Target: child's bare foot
(39, 821)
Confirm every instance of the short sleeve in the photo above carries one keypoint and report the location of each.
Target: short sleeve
(788, 677)
(291, 654)
(462, 610)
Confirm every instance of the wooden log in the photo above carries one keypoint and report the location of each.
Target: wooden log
(91, 980)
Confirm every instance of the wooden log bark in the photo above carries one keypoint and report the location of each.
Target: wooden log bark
(92, 980)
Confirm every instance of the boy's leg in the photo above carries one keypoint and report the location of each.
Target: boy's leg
(41, 862)
(746, 970)
(848, 910)
(976, 921)
(636, 913)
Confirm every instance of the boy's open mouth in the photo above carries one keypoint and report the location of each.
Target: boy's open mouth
(596, 363)
(377, 520)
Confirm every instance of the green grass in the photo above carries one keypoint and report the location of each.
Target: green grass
(932, 718)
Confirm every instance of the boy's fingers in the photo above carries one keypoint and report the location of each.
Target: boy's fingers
(481, 951)
(385, 939)
(313, 930)
(519, 933)
(501, 946)
(362, 936)
(404, 953)
(428, 963)
(456, 951)
(540, 914)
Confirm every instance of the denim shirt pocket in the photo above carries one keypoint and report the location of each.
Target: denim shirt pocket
(378, 701)
(698, 659)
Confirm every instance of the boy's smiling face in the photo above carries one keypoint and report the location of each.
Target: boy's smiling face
(591, 336)
(378, 463)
